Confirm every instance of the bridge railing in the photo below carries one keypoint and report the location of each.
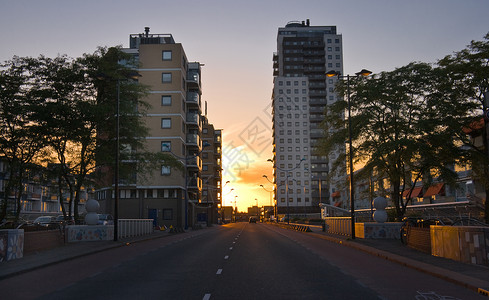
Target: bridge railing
(338, 225)
(134, 227)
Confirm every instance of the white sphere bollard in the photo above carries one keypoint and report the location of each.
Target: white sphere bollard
(380, 215)
(92, 206)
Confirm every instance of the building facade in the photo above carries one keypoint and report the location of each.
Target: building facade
(301, 92)
(167, 195)
(211, 172)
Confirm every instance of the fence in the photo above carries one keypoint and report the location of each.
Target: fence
(339, 225)
(134, 227)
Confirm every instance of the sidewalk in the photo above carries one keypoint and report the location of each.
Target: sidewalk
(473, 277)
(67, 252)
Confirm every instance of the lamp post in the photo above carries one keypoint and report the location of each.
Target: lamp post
(127, 74)
(271, 202)
(257, 213)
(275, 209)
(116, 168)
(287, 171)
(269, 192)
(363, 72)
(235, 210)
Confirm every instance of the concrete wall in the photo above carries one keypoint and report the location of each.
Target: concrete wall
(469, 244)
(11, 244)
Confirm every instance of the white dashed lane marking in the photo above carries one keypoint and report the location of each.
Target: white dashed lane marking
(219, 271)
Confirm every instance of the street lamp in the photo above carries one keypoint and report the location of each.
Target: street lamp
(257, 214)
(286, 182)
(235, 210)
(275, 216)
(363, 72)
(127, 74)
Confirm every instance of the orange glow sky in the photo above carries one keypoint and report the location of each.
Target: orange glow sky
(235, 40)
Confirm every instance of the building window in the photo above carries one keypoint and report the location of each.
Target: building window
(166, 100)
(166, 77)
(166, 146)
(166, 123)
(165, 170)
(166, 55)
(205, 168)
(167, 214)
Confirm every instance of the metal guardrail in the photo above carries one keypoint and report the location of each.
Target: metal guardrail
(338, 225)
(134, 227)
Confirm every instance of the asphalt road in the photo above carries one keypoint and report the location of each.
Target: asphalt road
(235, 261)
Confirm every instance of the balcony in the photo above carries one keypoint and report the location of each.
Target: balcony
(193, 98)
(195, 183)
(193, 78)
(194, 162)
(193, 118)
(193, 139)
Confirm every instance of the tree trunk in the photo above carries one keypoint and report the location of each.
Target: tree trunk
(60, 192)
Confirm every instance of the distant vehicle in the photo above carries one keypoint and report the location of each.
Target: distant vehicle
(252, 220)
(65, 220)
(105, 219)
(45, 221)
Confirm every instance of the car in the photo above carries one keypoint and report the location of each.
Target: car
(105, 219)
(65, 220)
(252, 220)
(45, 221)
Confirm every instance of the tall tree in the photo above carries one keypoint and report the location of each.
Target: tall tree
(467, 80)
(20, 134)
(396, 130)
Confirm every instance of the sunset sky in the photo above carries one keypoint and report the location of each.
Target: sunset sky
(235, 40)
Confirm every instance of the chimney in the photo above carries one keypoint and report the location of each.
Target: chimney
(146, 30)
(308, 23)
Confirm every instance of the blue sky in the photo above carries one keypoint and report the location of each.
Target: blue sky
(236, 39)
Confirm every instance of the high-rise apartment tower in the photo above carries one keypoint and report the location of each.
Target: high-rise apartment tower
(171, 196)
(301, 92)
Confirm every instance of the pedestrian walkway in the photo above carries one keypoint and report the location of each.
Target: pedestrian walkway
(473, 277)
(470, 276)
(67, 252)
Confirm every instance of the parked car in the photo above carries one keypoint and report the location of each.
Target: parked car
(105, 219)
(252, 220)
(65, 220)
(45, 221)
